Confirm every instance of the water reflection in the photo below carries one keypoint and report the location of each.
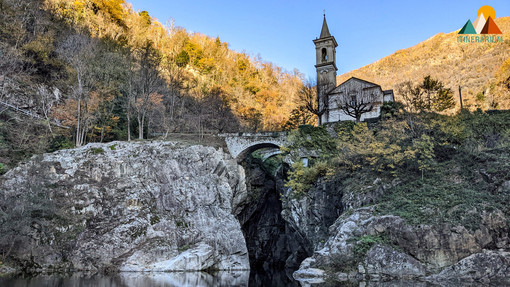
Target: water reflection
(267, 277)
(222, 278)
(191, 279)
(156, 279)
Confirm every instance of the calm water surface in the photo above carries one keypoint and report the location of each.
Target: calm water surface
(156, 279)
(191, 279)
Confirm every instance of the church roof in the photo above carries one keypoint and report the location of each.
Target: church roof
(368, 85)
(325, 31)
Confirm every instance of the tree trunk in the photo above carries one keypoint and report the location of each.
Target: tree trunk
(148, 128)
(128, 126)
(102, 134)
(49, 125)
(78, 139)
(141, 120)
(83, 132)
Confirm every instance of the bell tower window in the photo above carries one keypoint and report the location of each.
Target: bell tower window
(324, 55)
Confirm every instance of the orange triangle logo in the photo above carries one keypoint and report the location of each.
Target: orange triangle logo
(490, 27)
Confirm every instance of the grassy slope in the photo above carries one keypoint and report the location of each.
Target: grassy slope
(457, 191)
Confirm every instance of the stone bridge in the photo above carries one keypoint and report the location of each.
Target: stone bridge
(241, 145)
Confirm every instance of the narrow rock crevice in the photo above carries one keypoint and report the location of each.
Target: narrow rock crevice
(273, 245)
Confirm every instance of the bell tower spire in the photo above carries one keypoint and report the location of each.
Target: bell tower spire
(325, 58)
(325, 30)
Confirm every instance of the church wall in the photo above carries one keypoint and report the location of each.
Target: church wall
(335, 114)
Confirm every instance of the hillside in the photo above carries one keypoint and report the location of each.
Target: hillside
(416, 192)
(478, 67)
(109, 72)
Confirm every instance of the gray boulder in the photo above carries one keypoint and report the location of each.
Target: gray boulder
(488, 266)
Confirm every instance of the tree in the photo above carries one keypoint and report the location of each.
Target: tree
(86, 116)
(78, 51)
(411, 96)
(106, 120)
(155, 110)
(46, 101)
(423, 148)
(220, 117)
(144, 81)
(182, 59)
(308, 98)
(429, 96)
(298, 117)
(444, 100)
(357, 104)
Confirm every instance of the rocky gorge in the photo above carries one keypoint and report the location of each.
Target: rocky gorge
(164, 206)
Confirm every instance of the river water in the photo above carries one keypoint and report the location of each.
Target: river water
(155, 279)
(192, 279)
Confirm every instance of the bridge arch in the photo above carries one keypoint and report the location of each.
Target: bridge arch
(242, 144)
(250, 149)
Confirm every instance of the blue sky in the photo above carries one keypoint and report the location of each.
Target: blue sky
(281, 31)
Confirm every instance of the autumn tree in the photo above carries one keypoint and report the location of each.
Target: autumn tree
(155, 111)
(146, 82)
(78, 51)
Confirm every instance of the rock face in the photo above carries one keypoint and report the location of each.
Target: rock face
(486, 266)
(144, 206)
(272, 243)
(422, 249)
(386, 262)
(313, 213)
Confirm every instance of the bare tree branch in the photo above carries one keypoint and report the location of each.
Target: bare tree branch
(357, 103)
(308, 98)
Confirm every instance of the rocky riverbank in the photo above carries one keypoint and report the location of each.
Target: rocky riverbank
(363, 245)
(147, 206)
(163, 206)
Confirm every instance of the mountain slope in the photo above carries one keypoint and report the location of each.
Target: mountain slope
(482, 69)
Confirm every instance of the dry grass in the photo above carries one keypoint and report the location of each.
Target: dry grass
(477, 67)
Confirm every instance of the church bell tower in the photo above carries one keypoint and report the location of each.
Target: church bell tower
(326, 68)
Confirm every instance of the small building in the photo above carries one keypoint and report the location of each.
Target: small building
(354, 99)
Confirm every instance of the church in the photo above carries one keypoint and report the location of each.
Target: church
(352, 100)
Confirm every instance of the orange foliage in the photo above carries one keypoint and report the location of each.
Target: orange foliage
(248, 82)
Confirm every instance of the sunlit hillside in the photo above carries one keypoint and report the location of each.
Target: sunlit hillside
(108, 72)
(482, 69)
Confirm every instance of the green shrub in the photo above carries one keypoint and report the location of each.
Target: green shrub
(302, 178)
(392, 110)
(96, 150)
(365, 242)
(384, 150)
(182, 59)
(311, 138)
(60, 142)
